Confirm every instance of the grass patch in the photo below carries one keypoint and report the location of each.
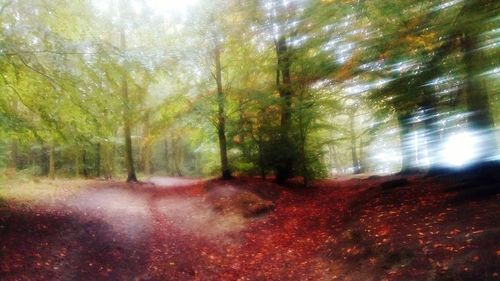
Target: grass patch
(39, 189)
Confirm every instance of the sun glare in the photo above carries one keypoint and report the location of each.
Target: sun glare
(460, 149)
(170, 6)
(161, 7)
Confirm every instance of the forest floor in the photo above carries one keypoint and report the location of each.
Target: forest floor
(247, 229)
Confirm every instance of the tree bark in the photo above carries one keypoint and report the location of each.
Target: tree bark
(78, 161)
(84, 163)
(14, 149)
(146, 149)
(354, 154)
(262, 165)
(473, 19)
(167, 158)
(129, 160)
(285, 166)
(476, 95)
(52, 163)
(334, 160)
(147, 160)
(107, 159)
(97, 162)
(221, 118)
(243, 131)
(305, 169)
(178, 157)
(13, 157)
(407, 155)
(362, 157)
(432, 133)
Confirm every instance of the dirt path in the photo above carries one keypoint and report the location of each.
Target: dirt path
(173, 230)
(112, 231)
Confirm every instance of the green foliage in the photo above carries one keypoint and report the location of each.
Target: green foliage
(65, 68)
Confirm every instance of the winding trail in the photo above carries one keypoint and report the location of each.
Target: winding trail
(170, 229)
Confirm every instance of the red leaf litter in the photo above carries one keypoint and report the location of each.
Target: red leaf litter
(348, 229)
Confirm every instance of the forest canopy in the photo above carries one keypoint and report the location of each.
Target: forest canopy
(297, 88)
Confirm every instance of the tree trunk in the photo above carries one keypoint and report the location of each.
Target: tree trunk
(146, 147)
(147, 160)
(472, 24)
(432, 133)
(14, 150)
(167, 158)
(354, 154)
(107, 160)
(407, 151)
(335, 159)
(52, 163)
(13, 157)
(221, 118)
(305, 172)
(129, 160)
(362, 157)
(245, 150)
(285, 166)
(32, 157)
(43, 159)
(78, 161)
(476, 96)
(84, 163)
(97, 163)
(177, 157)
(262, 165)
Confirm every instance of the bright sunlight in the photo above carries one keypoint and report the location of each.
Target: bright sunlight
(249, 140)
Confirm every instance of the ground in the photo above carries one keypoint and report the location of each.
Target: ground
(247, 229)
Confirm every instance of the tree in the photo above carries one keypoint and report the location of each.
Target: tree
(129, 160)
(221, 115)
(474, 15)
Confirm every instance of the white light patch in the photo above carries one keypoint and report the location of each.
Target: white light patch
(460, 149)
(125, 211)
(170, 6)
